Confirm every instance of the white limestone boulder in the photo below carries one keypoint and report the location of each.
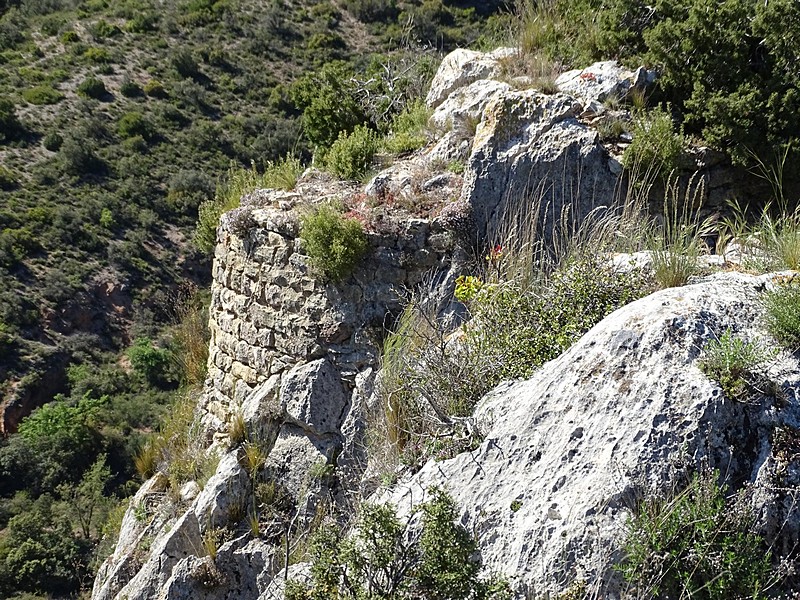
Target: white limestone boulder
(604, 80)
(223, 495)
(566, 453)
(461, 67)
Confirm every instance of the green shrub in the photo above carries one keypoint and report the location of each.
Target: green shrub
(515, 328)
(135, 124)
(370, 11)
(656, 148)
(129, 88)
(382, 561)
(70, 37)
(142, 22)
(408, 129)
(52, 141)
(13, 28)
(97, 55)
(742, 96)
(91, 87)
(184, 63)
(283, 174)
(155, 89)
(103, 29)
(42, 95)
(151, 362)
(8, 179)
(329, 104)
(10, 127)
(783, 315)
(333, 243)
(734, 364)
(696, 543)
(351, 155)
(79, 158)
(520, 327)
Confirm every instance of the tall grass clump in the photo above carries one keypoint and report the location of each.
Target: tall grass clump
(735, 364)
(530, 300)
(179, 449)
(677, 242)
(774, 241)
(559, 30)
(282, 174)
(190, 337)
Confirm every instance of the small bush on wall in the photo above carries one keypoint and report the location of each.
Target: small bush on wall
(334, 243)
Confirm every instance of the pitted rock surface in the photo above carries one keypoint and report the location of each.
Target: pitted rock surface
(613, 418)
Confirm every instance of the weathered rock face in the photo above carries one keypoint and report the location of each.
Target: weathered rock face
(531, 156)
(604, 80)
(461, 67)
(567, 452)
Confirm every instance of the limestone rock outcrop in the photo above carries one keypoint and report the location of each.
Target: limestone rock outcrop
(294, 361)
(461, 67)
(531, 156)
(604, 81)
(567, 453)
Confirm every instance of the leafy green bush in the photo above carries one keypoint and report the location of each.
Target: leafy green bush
(99, 56)
(79, 158)
(103, 29)
(42, 95)
(334, 244)
(783, 315)
(39, 553)
(351, 155)
(129, 88)
(370, 11)
(10, 127)
(696, 544)
(151, 362)
(656, 148)
(383, 560)
(185, 63)
(408, 129)
(91, 87)
(734, 364)
(8, 179)
(52, 141)
(155, 89)
(134, 123)
(70, 37)
(519, 328)
(329, 104)
(515, 328)
(742, 96)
